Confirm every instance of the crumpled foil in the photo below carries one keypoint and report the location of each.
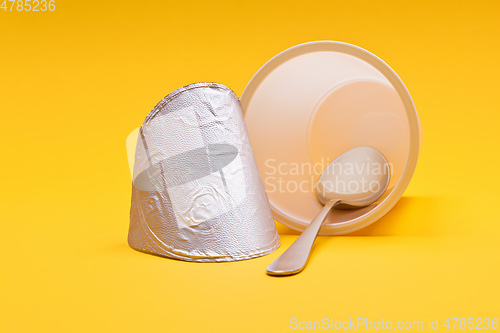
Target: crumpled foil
(197, 194)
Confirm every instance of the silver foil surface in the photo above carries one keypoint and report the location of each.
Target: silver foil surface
(197, 194)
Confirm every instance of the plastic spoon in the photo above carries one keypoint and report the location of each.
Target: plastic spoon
(355, 179)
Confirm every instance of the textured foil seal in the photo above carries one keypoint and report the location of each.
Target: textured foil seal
(196, 192)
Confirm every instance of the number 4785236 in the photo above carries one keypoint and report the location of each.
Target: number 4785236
(28, 5)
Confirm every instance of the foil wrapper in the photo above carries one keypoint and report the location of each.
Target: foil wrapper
(197, 194)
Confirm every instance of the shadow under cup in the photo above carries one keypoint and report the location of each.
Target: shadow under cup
(310, 104)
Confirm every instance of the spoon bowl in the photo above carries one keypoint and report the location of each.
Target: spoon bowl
(355, 179)
(358, 178)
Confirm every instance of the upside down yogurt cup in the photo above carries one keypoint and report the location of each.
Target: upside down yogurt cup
(196, 191)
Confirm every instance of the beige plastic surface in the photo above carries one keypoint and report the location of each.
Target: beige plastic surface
(310, 104)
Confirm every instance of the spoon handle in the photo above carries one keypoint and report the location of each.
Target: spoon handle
(294, 259)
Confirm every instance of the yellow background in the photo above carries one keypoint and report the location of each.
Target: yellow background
(75, 82)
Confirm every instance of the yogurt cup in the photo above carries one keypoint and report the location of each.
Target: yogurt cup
(311, 103)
